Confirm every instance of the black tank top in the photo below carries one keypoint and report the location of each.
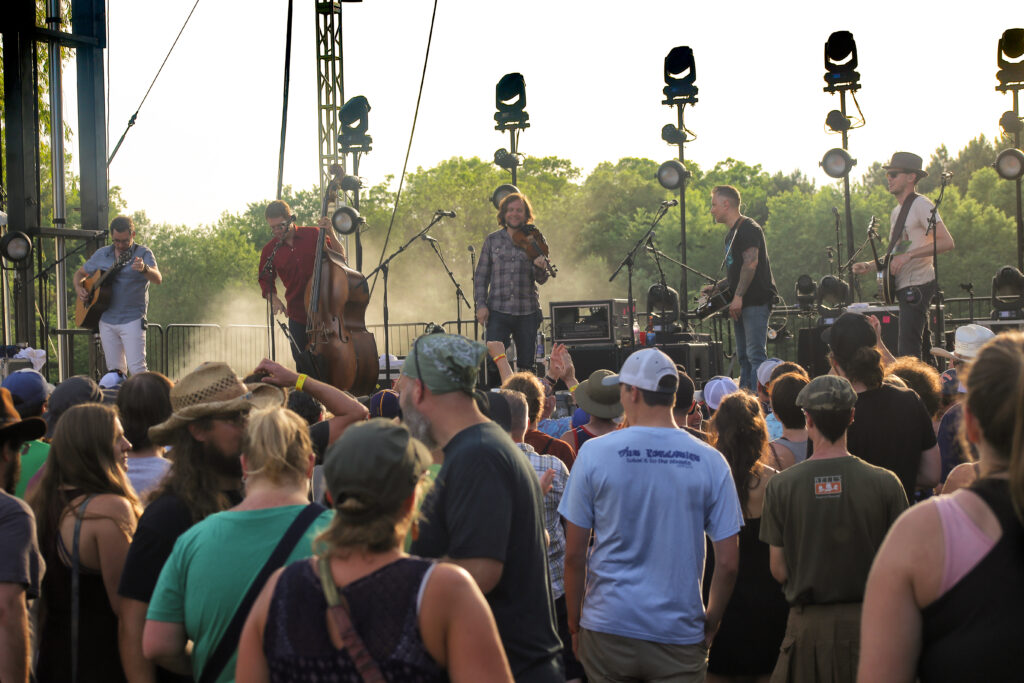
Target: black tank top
(973, 632)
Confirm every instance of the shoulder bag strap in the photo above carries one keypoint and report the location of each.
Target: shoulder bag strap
(75, 569)
(901, 221)
(338, 611)
(229, 641)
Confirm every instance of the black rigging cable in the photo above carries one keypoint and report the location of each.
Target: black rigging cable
(408, 149)
(131, 121)
(284, 106)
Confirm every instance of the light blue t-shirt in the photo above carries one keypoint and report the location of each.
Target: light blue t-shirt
(129, 294)
(650, 494)
(774, 426)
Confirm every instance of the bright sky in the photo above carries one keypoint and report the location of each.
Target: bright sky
(207, 138)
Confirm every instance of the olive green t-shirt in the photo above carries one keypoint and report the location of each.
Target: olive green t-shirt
(829, 517)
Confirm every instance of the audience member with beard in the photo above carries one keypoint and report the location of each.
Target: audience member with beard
(201, 595)
(205, 434)
(485, 514)
(21, 565)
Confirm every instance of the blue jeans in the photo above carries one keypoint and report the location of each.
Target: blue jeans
(522, 329)
(751, 342)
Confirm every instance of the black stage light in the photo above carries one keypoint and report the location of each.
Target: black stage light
(837, 122)
(1011, 123)
(346, 220)
(672, 174)
(1008, 57)
(662, 298)
(672, 135)
(510, 101)
(832, 292)
(1008, 294)
(351, 183)
(837, 163)
(505, 160)
(841, 61)
(680, 75)
(806, 291)
(1010, 164)
(16, 247)
(501, 192)
(354, 118)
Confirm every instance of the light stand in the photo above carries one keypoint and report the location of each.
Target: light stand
(510, 101)
(355, 120)
(1010, 162)
(680, 74)
(840, 77)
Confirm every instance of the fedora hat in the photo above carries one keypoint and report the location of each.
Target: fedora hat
(909, 162)
(967, 342)
(598, 399)
(212, 389)
(11, 424)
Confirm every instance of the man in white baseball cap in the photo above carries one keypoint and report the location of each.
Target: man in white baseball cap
(650, 492)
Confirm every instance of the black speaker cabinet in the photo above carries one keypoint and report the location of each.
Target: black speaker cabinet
(696, 358)
(589, 357)
(811, 351)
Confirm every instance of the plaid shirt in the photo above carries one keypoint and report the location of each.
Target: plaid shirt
(552, 520)
(506, 279)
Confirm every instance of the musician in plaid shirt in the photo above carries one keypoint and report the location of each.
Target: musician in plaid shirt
(505, 283)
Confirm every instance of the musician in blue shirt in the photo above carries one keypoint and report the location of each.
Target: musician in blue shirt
(122, 326)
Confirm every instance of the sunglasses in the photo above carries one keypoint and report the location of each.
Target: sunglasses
(893, 174)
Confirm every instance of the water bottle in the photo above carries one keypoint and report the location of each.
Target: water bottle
(540, 346)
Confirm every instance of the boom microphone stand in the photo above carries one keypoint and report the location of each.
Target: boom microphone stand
(460, 298)
(940, 324)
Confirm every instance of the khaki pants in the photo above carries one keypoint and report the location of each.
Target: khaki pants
(618, 659)
(821, 644)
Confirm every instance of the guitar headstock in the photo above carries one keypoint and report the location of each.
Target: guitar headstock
(872, 225)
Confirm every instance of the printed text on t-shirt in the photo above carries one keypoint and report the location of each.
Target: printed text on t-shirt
(655, 456)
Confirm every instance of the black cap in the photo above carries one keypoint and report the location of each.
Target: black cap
(851, 331)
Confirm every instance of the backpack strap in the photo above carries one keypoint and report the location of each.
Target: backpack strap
(338, 611)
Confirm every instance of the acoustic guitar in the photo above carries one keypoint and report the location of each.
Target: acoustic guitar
(886, 280)
(99, 286)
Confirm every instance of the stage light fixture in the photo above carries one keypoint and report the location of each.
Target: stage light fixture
(505, 160)
(1009, 54)
(510, 101)
(662, 298)
(346, 220)
(354, 118)
(672, 174)
(16, 247)
(806, 291)
(501, 192)
(1011, 123)
(841, 62)
(832, 292)
(1010, 164)
(1008, 294)
(680, 75)
(672, 135)
(351, 183)
(837, 163)
(837, 122)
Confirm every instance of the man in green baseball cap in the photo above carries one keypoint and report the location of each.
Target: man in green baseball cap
(484, 512)
(824, 519)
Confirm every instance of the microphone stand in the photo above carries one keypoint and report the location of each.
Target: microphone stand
(383, 268)
(472, 269)
(940, 324)
(628, 264)
(460, 298)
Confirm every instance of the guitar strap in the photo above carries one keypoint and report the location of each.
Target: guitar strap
(901, 221)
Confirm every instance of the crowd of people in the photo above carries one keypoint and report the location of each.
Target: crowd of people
(159, 530)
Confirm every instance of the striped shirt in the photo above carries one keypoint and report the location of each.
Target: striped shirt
(552, 520)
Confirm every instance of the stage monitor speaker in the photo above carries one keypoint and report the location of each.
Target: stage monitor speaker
(589, 357)
(811, 352)
(696, 358)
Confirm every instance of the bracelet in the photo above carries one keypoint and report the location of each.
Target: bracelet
(550, 380)
(499, 357)
(574, 387)
(300, 381)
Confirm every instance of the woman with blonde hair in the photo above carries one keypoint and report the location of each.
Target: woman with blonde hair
(86, 513)
(362, 609)
(219, 565)
(946, 589)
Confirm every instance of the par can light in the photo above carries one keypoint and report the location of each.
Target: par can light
(346, 220)
(16, 246)
(501, 192)
(672, 174)
(1010, 164)
(837, 163)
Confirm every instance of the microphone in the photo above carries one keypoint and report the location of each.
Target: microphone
(947, 174)
(835, 211)
(447, 214)
(428, 238)
(471, 249)
(670, 202)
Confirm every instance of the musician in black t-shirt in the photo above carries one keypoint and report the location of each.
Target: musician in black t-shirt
(749, 276)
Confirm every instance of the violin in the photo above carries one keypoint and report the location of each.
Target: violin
(531, 240)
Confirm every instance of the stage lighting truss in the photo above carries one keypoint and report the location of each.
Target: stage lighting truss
(346, 220)
(505, 160)
(354, 118)
(680, 76)
(841, 62)
(806, 292)
(1008, 294)
(1010, 164)
(837, 163)
(1010, 58)
(501, 192)
(16, 247)
(510, 101)
(672, 174)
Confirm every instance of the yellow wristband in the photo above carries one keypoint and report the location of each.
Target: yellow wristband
(299, 381)
(573, 388)
(499, 357)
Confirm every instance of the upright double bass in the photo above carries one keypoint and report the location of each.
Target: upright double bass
(342, 351)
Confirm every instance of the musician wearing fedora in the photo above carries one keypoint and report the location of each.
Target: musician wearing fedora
(911, 260)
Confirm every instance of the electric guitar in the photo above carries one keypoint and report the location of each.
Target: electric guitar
(715, 301)
(99, 286)
(886, 280)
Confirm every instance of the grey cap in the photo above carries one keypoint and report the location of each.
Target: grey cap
(827, 392)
